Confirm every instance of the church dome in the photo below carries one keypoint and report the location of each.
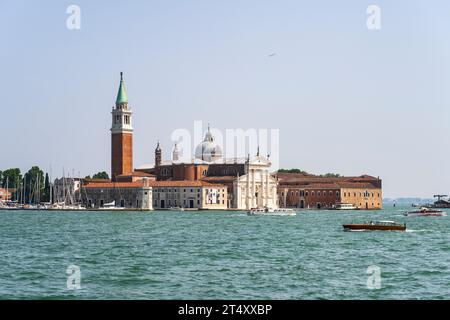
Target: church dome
(208, 150)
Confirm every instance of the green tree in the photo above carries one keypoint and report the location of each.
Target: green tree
(14, 178)
(1, 177)
(330, 175)
(291, 171)
(46, 193)
(101, 175)
(34, 178)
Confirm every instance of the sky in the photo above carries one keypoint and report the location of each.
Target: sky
(346, 99)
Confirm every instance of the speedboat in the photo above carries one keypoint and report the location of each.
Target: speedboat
(271, 212)
(426, 212)
(376, 225)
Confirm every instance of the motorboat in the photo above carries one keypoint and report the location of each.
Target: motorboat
(425, 212)
(345, 206)
(111, 206)
(175, 209)
(266, 211)
(376, 225)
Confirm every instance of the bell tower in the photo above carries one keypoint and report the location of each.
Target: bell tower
(121, 135)
(158, 155)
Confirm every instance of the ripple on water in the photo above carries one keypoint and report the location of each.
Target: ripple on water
(220, 255)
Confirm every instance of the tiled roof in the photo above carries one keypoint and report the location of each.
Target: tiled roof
(311, 181)
(100, 185)
(136, 174)
(220, 178)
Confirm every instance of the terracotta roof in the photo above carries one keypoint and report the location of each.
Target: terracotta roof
(136, 174)
(136, 184)
(311, 181)
(91, 180)
(220, 178)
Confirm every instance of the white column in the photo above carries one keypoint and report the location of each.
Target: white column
(263, 189)
(247, 191)
(253, 189)
(268, 195)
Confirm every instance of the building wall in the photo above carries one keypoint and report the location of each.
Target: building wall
(321, 198)
(121, 154)
(132, 198)
(362, 198)
(4, 194)
(190, 197)
(301, 197)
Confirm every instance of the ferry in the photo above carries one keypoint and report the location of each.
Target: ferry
(375, 225)
(426, 212)
(345, 206)
(271, 212)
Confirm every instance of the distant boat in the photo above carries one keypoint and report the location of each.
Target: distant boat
(425, 212)
(111, 206)
(271, 212)
(345, 206)
(375, 225)
(175, 209)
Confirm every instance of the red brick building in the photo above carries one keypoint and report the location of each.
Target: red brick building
(310, 191)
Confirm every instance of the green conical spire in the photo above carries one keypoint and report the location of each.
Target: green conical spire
(122, 94)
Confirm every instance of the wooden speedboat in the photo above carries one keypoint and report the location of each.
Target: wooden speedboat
(426, 212)
(375, 225)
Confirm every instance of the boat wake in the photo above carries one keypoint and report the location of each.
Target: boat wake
(420, 230)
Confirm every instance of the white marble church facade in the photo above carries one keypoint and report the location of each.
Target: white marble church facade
(256, 189)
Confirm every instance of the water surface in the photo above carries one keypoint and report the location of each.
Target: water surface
(221, 255)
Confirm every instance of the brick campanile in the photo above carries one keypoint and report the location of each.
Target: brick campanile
(121, 135)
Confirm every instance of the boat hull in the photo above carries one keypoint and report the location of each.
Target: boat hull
(356, 227)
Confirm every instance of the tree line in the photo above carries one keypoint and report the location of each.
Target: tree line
(25, 187)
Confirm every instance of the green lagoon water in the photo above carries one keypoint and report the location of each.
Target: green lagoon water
(221, 255)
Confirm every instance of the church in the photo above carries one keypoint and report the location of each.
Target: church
(210, 181)
(207, 182)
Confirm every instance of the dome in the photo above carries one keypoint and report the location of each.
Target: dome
(208, 150)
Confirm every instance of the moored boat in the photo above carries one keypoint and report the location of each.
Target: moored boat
(271, 212)
(425, 212)
(345, 206)
(375, 225)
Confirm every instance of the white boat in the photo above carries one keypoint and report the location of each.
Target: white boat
(271, 212)
(345, 206)
(426, 212)
(111, 206)
(175, 209)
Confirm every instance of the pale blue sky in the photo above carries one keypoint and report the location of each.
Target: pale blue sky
(346, 99)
